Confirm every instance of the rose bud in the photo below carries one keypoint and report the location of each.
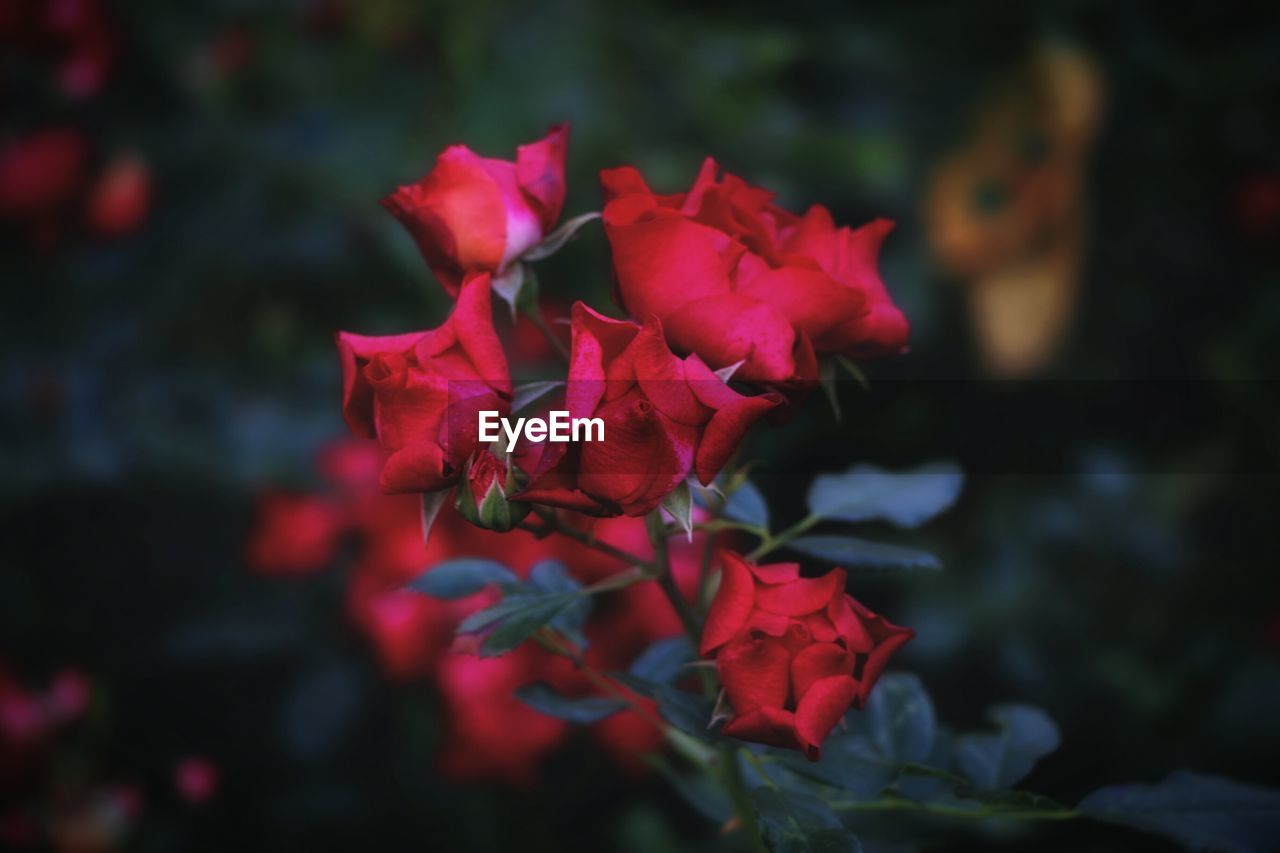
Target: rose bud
(664, 418)
(736, 278)
(420, 394)
(482, 494)
(478, 214)
(793, 653)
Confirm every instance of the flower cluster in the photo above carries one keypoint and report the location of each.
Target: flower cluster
(732, 304)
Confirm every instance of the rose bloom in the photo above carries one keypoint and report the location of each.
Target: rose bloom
(793, 653)
(473, 213)
(420, 394)
(664, 417)
(120, 198)
(736, 278)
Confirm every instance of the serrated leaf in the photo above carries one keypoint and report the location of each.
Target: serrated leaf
(796, 822)
(1001, 759)
(1202, 812)
(530, 392)
(679, 505)
(903, 498)
(581, 711)
(556, 240)
(520, 623)
(748, 506)
(851, 552)
(663, 661)
(460, 578)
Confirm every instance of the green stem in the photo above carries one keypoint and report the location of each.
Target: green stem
(550, 521)
(903, 805)
(773, 543)
(662, 573)
(539, 323)
(731, 778)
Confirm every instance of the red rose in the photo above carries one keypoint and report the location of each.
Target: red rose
(420, 394)
(734, 277)
(473, 213)
(664, 417)
(793, 653)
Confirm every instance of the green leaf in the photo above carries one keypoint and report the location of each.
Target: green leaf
(868, 493)
(851, 763)
(679, 505)
(663, 661)
(514, 620)
(530, 392)
(999, 760)
(797, 822)
(556, 240)
(1202, 812)
(686, 711)
(699, 790)
(900, 718)
(747, 505)
(460, 578)
(850, 552)
(582, 711)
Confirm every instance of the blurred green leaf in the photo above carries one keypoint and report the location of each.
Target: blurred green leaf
(582, 711)
(1202, 812)
(868, 493)
(999, 760)
(850, 552)
(460, 578)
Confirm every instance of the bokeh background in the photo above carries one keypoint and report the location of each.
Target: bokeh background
(1088, 246)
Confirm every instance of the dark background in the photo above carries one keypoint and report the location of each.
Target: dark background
(1112, 559)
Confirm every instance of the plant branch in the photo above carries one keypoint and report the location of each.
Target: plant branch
(773, 543)
(552, 522)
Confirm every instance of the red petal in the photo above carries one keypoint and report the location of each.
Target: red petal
(823, 705)
(356, 351)
(755, 672)
(726, 328)
(803, 595)
(732, 605)
(769, 726)
(472, 324)
(540, 173)
(818, 661)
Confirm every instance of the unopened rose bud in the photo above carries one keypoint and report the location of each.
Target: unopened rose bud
(482, 494)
